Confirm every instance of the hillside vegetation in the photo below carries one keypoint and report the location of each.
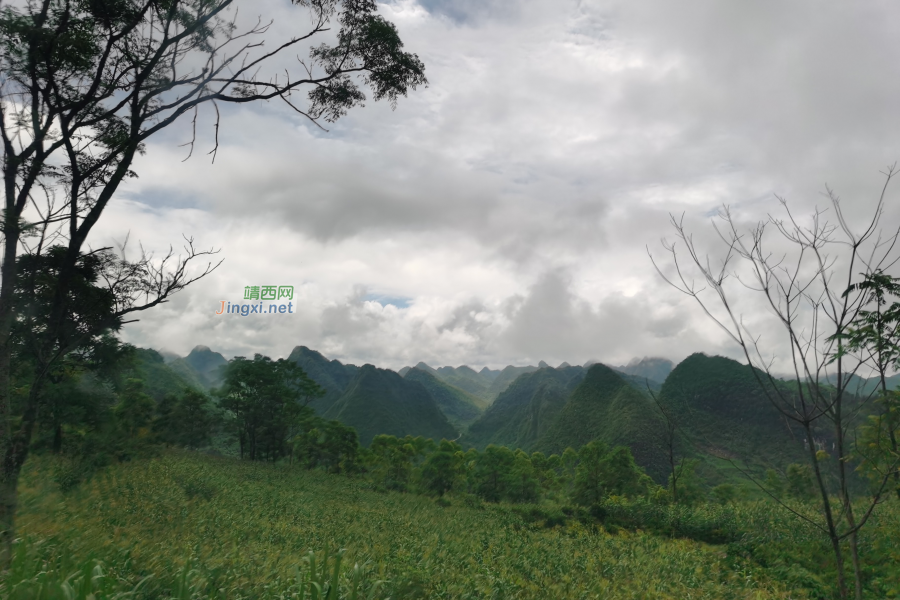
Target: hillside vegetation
(524, 411)
(191, 526)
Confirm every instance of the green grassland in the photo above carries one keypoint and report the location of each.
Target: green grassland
(188, 525)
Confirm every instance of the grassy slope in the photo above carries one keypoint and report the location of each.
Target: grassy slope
(522, 412)
(459, 407)
(380, 401)
(248, 525)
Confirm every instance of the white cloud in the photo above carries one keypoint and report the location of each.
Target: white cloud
(509, 204)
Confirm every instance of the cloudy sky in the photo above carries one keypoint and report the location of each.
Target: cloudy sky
(502, 215)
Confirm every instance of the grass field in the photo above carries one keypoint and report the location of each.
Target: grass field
(193, 526)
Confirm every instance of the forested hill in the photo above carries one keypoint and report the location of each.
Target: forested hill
(523, 411)
(725, 413)
(606, 407)
(380, 401)
(333, 376)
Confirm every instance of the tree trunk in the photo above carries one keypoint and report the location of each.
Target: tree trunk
(9, 475)
(857, 567)
(839, 561)
(826, 509)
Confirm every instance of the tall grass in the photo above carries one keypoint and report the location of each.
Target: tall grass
(193, 526)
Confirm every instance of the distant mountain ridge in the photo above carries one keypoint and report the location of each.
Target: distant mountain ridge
(652, 368)
(722, 415)
(201, 365)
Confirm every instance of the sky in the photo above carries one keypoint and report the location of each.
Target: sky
(505, 213)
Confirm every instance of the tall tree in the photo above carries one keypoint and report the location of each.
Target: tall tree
(267, 401)
(86, 84)
(812, 279)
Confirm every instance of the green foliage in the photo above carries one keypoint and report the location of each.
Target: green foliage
(799, 482)
(443, 469)
(602, 472)
(392, 463)
(491, 475)
(878, 445)
(523, 484)
(329, 445)
(185, 421)
(254, 533)
(590, 477)
(774, 483)
(724, 493)
(690, 485)
(266, 401)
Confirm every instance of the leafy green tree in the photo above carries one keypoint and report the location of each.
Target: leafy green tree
(876, 332)
(774, 484)
(134, 411)
(132, 433)
(590, 474)
(691, 488)
(164, 423)
(492, 472)
(393, 461)
(443, 468)
(602, 472)
(546, 469)
(86, 84)
(624, 476)
(184, 421)
(724, 493)
(800, 484)
(267, 401)
(524, 485)
(330, 445)
(569, 460)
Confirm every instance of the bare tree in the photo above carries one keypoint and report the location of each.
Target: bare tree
(811, 290)
(83, 85)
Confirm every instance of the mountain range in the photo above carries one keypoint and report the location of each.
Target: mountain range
(723, 418)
